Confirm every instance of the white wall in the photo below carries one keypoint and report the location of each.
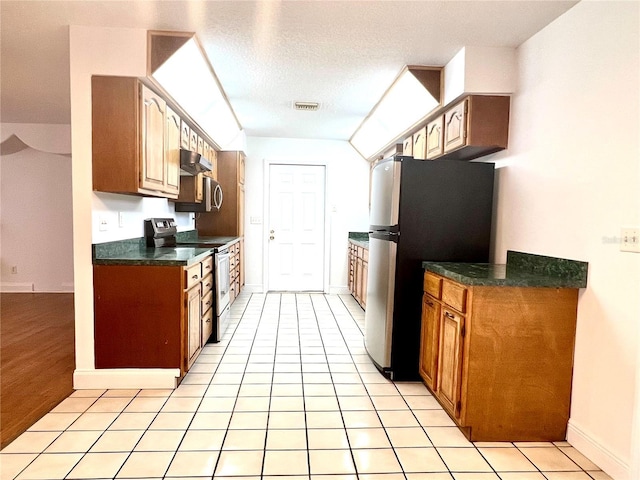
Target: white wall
(134, 210)
(36, 222)
(571, 180)
(347, 199)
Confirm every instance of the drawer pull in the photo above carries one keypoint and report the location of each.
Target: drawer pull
(429, 303)
(195, 277)
(208, 303)
(450, 315)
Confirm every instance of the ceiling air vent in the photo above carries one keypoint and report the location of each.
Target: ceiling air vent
(308, 106)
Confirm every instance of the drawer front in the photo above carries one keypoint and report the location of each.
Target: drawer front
(454, 295)
(232, 262)
(193, 274)
(432, 284)
(207, 284)
(207, 301)
(207, 266)
(365, 254)
(237, 271)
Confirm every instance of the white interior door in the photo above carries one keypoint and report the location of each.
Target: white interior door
(296, 227)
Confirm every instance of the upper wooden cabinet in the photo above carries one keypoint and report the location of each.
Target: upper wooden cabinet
(477, 126)
(229, 220)
(131, 152)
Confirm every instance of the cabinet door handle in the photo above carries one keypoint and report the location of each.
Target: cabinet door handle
(430, 303)
(450, 315)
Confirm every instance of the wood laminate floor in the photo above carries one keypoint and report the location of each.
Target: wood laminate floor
(37, 358)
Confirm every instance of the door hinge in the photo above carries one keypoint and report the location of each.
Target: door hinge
(463, 330)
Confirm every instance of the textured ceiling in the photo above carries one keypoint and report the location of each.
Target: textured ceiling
(342, 54)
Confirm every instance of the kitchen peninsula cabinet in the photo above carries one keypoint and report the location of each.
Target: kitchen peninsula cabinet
(497, 347)
(152, 316)
(135, 139)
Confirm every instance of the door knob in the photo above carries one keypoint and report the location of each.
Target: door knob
(271, 237)
(272, 232)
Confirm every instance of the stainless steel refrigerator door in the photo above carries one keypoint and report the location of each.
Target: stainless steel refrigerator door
(385, 193)
(378, 317)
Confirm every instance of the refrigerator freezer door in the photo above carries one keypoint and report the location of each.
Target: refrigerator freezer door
(385, 193)
(378, 317)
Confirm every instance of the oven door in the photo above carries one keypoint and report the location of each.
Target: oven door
(222, 280)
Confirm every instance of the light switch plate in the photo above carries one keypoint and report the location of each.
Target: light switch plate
(255, 220)
(630, 239)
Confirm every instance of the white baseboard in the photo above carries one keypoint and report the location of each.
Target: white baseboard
(599, 454)
(13, 287)
(253, 288)
(339, 290)
(126, 378)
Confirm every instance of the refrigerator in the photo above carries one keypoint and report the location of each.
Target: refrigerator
(420, 210)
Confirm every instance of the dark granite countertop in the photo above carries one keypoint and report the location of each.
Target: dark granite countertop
(359, 238)
(521, 270)
(135, 252)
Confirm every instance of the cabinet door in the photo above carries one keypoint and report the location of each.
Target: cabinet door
(434, 138)
(455, 127)
(172, 152)
(193, 141)
(429, 341)
(450, 360)
(185, 133)
(420, 143)
(152, 172)
(193, 324)
(200, 146)
(407, 147)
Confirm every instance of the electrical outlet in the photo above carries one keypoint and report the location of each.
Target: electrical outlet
(103, 224)
(14, 269)
(121, 219)
(630, 241)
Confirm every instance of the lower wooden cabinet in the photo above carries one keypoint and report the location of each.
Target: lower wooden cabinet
(499, 359)
(358, 272)
(151, 316)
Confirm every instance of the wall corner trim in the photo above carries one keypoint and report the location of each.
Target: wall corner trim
(591, 447)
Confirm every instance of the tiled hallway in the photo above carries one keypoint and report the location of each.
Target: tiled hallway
(289, 392)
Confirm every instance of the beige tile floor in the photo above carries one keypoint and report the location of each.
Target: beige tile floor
(289, 391)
